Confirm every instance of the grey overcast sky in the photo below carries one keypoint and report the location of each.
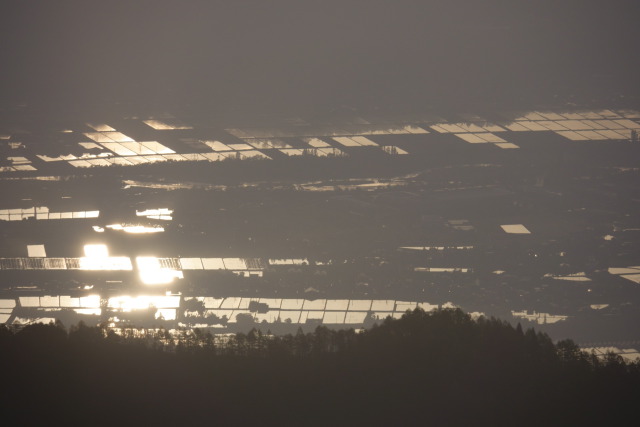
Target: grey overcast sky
(316, 53)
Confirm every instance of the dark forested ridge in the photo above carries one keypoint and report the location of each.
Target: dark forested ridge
(438, 368)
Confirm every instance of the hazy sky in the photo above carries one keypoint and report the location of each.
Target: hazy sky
(315, 52)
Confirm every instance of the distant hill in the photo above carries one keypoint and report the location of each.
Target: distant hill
(436, 368)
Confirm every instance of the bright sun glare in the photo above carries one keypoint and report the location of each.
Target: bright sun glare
(151, 272)
(97, 258)
(96, 251)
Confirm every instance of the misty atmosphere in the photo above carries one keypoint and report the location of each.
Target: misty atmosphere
(411, 212)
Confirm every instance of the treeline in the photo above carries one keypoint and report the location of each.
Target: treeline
(436, 368)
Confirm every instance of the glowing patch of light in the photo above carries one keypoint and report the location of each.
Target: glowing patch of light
(98, 229)
(90, 301)
(162, 213)
(105, 263)
(96, 251)
(151, 273)
(89, 311)
(142, 302)
(166, 124)
(166, 314)
(127, 304)
(135, 229)
(97, 258)
(33, 320)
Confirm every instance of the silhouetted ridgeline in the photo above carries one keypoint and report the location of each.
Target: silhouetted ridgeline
(438, 368)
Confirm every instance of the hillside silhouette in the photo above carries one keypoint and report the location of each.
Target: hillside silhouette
(436, 368)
